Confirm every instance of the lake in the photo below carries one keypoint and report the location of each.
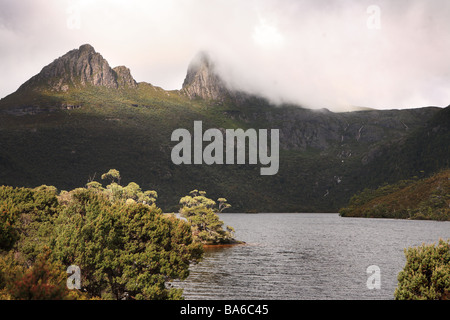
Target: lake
(307, 256)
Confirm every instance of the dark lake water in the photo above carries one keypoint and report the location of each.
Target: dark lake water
(307, 256)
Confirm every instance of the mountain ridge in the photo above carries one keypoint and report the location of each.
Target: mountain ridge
(82, 67)
(202, 80)
(78, 68)
(62, 138)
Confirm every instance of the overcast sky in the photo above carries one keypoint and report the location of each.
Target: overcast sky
(318, 53)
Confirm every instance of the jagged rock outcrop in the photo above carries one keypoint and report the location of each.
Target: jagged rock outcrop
(123, 77)
(79, 68)
(202, 80)
(341, 133)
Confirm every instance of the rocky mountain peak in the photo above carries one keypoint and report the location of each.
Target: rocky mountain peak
(124, 77)
(86, 48)
(202, 79)
(79, 68)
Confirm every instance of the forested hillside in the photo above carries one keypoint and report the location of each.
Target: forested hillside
(70, 122)
(424, 199)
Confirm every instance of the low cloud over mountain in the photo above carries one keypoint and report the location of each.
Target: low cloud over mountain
(315, 53)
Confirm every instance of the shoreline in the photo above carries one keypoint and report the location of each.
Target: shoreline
(222, 245)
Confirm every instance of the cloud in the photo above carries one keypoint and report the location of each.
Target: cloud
(319, 53)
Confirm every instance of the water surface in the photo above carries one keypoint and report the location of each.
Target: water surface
(307, 256)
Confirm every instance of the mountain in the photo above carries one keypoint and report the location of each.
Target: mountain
(202, 80)
(423, 151)
(79, 68)
(79, 117)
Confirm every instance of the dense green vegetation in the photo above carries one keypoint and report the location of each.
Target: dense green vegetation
(423, 152)
(201, 212)
(124, 245)
(427, 198)
(130, 129)
(426, 275)
(127, 248)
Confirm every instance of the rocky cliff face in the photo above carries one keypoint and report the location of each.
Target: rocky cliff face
(341, 135)
(301, 129)
(123, 77)
(203, 81)
(78, 68)
(323, 130)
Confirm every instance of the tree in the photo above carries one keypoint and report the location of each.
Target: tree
(113, 175)
(201, 212)
(8, 234)
(125, 250)
(26, 220)
(124, 245)
(116, 192)
(426, 275)
(223, 204)
(45, 280)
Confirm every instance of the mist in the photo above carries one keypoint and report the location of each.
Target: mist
(318, 54)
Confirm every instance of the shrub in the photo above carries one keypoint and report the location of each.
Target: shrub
(201, 212)
(126, 250)
(426, 275)
(124, 245)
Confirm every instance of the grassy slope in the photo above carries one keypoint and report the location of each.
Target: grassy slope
(424, 151)
(421, 199)
(130, 130)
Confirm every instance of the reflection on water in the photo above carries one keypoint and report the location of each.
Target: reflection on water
(307, 256)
